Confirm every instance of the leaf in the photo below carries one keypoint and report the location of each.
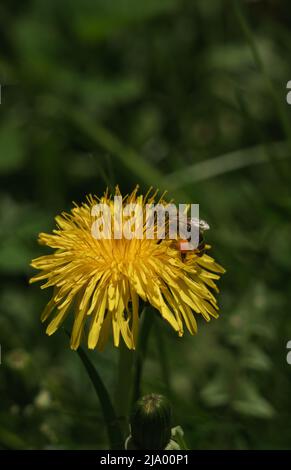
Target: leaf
(10, 440)
(113, 429)
(178, 436)
(251, 403)
(215, 393)
(96, 20)
(256, 359)
(102, 92)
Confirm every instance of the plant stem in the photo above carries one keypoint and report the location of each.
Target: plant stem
(147, 321)
(162, 352)
(123, 394)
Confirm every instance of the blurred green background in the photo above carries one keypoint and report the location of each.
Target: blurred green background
(184, 95)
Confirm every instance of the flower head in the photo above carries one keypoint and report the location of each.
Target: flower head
(103, 280)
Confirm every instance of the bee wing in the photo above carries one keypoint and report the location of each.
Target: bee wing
(200, 223)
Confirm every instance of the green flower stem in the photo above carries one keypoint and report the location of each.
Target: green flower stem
(147, 319)
(123, 394)
(130, 369)
(164, 362)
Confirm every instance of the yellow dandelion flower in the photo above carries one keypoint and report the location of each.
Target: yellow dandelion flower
(103, 280)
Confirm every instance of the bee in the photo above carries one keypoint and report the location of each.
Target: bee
(203, 226)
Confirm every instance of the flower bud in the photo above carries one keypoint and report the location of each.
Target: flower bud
(151, 422)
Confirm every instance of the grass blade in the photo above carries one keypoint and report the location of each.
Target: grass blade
(232, 161)
(278, 103)
(132, 160)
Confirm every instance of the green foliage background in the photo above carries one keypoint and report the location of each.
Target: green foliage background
(184, 95)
